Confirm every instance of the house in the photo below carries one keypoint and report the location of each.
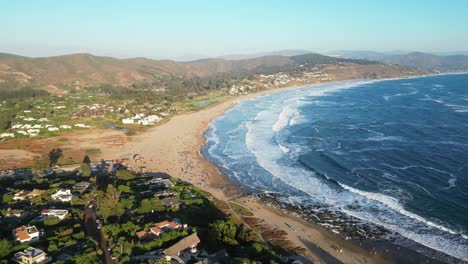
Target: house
(16, 213)
(164, 226)
(183, 249)
(30, 256)
(82, 125)
(159, 228)
(25, 234)
(63, 195)
(4, 135)
(53, 129)
(23, 195)
(65, 127)
(171, 202)
(127, 121)
(165, 182)
(82, 186)
(54, 213)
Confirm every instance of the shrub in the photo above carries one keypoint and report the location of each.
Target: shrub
(125, 175)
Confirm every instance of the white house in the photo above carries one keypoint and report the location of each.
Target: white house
(53, 129)
(63, 195)
(127, 121)
(65, 127)
(4, 135)
(58, 213)
(82, 125)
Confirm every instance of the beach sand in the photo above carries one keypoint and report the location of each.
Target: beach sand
(174, 148)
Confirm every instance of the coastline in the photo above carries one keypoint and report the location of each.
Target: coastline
(174, 148)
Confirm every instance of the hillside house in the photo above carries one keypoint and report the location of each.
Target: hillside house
(54, 213)
(25, 234)
(23, 195)
(63, 195)
(159, 228)
(184, 249)
(30, 256)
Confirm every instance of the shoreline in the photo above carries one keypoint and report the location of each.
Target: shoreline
(175, 148)
(383, 241)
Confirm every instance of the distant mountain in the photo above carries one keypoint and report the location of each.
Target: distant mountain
(364, 54)
(429, 61)
(443, 63)
(287, 53)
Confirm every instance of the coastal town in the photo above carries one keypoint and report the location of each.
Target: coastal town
(116, 211)
(69, 112)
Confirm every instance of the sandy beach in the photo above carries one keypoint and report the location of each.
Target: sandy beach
(174, 148)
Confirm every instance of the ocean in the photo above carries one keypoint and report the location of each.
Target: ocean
(392, 153)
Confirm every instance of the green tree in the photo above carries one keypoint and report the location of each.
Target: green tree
(125, 175)
(7, 198)
(85, 170)
(5, 248)
(149, 205)
(109, 204)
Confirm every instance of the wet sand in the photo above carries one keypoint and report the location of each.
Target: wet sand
(174, 148)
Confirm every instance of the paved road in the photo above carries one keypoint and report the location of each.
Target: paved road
(97, 234)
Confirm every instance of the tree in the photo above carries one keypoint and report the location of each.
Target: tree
(149, 205)
(225, 232)
(54, 156)
(109, 204)
(5, 248)
(85, 170)
(125, 175)
(86, 160)
(7, 198)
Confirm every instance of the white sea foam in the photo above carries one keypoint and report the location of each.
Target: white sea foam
(384, 138)
(283, 118)
(377, 208)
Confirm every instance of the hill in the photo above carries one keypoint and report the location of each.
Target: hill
(82, 70)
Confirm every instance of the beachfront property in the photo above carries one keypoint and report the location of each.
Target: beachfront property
(30, 255)
(63, 195)
(141, 119)
(25, 234)
(23, 194)
(184, 249)
(54, 213)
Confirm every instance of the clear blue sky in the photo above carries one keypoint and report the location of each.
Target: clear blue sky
(173, 28)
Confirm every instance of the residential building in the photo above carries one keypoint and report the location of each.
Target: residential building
(184, 248)
(30, 256)
(23, 195)
(16, 213)
(159, 228)
(63, 195)
(54, 213)
(82, 186)
(25, 234)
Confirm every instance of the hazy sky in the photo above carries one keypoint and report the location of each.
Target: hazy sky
(163, 29)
